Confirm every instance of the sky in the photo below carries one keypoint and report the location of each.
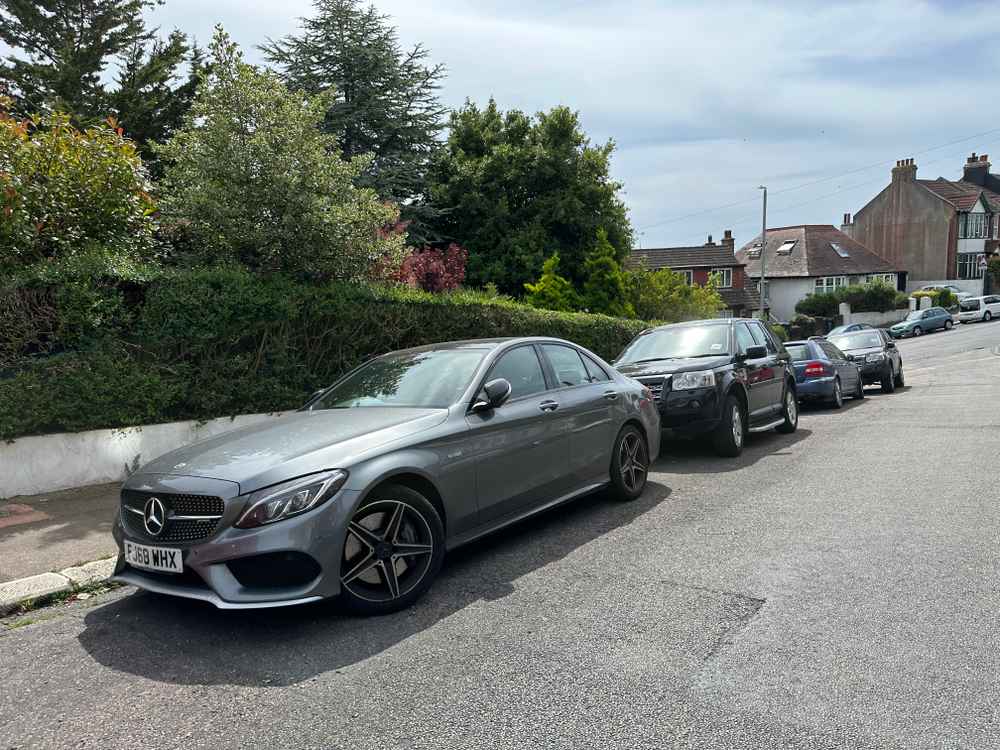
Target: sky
(707, 101)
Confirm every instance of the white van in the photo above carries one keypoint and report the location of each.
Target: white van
(979, 308)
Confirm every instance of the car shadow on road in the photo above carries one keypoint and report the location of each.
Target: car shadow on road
(696, 455)
(187, 642)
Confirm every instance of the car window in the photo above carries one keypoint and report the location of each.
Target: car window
(743, 338)
(677, 342)
(763, 337)
(830, 350)
(595, 371)
(566, 364)
(798, 352)
(522, 369)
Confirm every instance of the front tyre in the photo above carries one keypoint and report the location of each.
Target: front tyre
(728, 437)
(899, 380)
(948, 325)
(888, 381)
(918, 331)
(790, 412)
(629, 464)
(392, 552)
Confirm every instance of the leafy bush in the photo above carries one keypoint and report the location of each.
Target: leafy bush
(553, 292)
(779, 330)
(993, 266)
(664, 295)
(875, 296)
(822, 305)
(251, 179)
(939, 297)
(435, 270)
(209, 343)
(604, 288)
(64, 192)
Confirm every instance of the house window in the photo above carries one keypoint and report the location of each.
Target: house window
(968, 266)
(885, 278)
(974, 226)
(829, 283)
(840, 250)
(754, 252)
(786, 247)
(727, 313)
(688, 276)
(725, 277)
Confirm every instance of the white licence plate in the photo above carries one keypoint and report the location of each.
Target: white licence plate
(153, 558)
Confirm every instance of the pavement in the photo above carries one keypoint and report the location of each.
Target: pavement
(834, 588)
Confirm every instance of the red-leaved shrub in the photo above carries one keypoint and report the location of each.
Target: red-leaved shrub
(435, 270)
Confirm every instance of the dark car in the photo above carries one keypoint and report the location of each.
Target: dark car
(722, 378)
(848, 328)
(361, 491)
(823, 372)
(876, 355)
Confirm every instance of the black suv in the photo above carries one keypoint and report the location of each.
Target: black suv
(876, 355)
(722, 378)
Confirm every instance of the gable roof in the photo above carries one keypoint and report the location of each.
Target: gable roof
(813, 254)
(703, 256)
(961, 194)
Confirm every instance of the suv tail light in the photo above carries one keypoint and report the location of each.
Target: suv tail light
(816, 369)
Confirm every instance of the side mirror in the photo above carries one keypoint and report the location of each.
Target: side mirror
(495, 394)
(890, 344)
(755, 352)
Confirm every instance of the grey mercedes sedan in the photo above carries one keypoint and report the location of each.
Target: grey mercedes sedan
(360, 493)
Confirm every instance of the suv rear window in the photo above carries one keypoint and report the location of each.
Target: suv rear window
(969, 304)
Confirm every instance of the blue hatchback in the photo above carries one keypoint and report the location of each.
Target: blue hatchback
(823, 372)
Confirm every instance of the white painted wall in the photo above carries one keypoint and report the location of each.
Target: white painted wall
(784, 293)
(45, 463)
(877, 319)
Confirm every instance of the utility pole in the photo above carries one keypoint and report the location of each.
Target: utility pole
(763, 254)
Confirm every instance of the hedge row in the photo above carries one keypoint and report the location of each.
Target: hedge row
(208, 343)
(871, 297)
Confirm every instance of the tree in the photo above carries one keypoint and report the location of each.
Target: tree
(553, 292)
(666, 296)
(62, 49)
(512, 189)
(604, 291)
(146, 102)
(66, 193)
(250, 175)
(435, 270)
(386, 100)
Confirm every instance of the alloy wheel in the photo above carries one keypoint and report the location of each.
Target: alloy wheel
(632, 461)
(737, 424)
(791, 408)
(838, 394)
(388, 551)
(988, 316)
(918, 331)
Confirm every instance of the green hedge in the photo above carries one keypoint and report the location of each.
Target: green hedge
(938, 297)
(78, 355)
(871, 297)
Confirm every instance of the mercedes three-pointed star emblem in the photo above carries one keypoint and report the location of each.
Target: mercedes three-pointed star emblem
(154, 516)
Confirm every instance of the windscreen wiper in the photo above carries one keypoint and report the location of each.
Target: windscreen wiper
(651, 359)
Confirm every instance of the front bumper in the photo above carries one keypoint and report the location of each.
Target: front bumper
(318, 534)
(692, 412)
(875, 372)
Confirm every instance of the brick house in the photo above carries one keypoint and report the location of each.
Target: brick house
(696, 264)
(936, 230)
(809, 258)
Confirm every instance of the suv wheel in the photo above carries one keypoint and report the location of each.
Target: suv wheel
(729, 436)
(899, 382)
(987, 317)
(790, 412)
(888, 381)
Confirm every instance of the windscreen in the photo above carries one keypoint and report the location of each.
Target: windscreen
(677, 343)
(434, 379)
(857, 340)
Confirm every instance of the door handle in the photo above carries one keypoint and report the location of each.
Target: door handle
(611, 395)
(548, 405)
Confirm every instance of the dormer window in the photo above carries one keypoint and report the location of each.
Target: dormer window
(754, 251)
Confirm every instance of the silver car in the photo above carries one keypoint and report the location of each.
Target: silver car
(361, 492)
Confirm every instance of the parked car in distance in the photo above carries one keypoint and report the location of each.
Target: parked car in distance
(847, 329)
(959, 294)
(919, 322)
(877, 356)
(361, 491)
(823, 372)
(979, 308)
(722, 378)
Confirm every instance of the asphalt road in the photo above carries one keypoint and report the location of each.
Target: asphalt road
(830, 589)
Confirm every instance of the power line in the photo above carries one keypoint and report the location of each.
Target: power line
(814, 182)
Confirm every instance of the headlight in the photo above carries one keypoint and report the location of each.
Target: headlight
(875, 357)
(290, 498)
(684, 381)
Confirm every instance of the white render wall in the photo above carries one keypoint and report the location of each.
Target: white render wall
(45, 463)
(784, 293)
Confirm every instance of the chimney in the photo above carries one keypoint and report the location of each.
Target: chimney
(904, 171)
(709, 240)
(976, 169)
(728, 241)
(847, 226)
